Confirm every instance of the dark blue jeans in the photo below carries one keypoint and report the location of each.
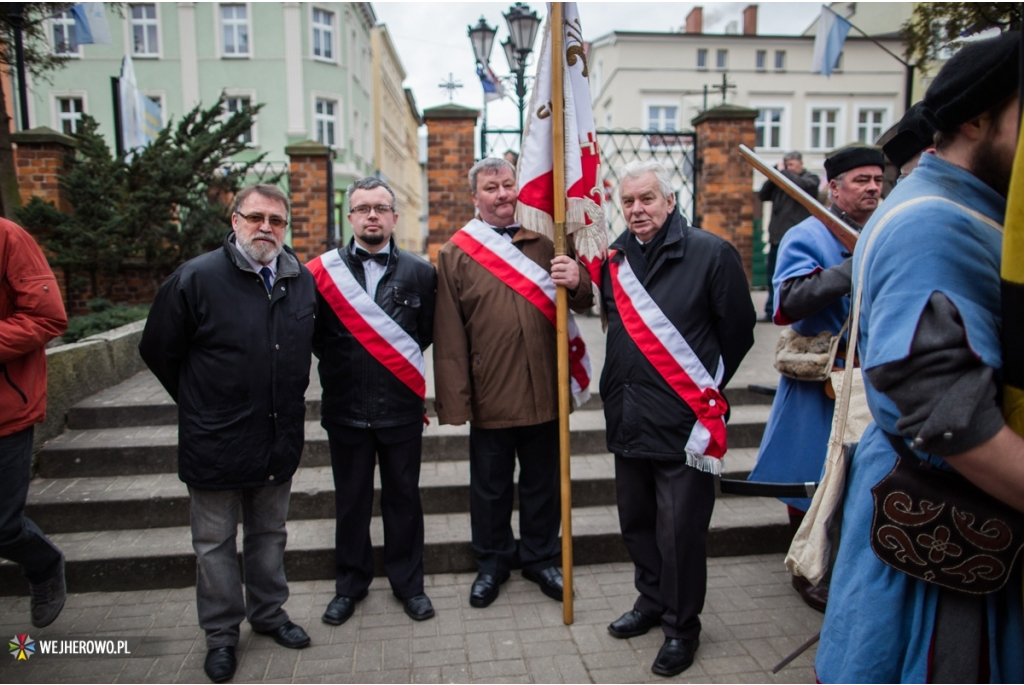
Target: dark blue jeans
(21, 541)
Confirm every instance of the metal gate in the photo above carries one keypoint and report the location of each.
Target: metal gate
(675, 151)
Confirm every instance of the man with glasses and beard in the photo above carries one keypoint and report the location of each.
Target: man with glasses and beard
(229, 336)
(376, 305)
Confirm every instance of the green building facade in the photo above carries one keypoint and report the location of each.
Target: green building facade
(309, 64)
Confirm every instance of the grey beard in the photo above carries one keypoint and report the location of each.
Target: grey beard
(260, 252)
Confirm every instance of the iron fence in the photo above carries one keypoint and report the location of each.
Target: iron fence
(675, 151)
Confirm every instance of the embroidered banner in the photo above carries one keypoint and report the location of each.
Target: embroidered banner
(673, 358)
(496, 254)
(369, 324)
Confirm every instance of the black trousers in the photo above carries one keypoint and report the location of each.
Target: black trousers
(21, 541)
(664, 511)
(492, 461)
(769, 272)
(352, 458)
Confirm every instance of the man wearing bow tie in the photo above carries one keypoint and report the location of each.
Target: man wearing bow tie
(495, 366)
(376, 307)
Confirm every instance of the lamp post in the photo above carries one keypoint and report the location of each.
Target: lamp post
(523, 25)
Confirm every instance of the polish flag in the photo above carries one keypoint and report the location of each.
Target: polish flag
(584, 218)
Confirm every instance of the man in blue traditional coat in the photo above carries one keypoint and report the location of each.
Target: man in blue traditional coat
(812, 286)
(930, 350)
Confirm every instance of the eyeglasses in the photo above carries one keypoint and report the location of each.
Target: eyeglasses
(365, 209)
(257, 219)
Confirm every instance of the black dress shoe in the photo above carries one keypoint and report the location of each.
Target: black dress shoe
(675, 656)
(220, 664)
(815, 597)
(549, 579)
(288, 635)
(631, 624)
(419, 607)
(485, 589)
(341, 609)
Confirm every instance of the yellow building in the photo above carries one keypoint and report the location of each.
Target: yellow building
(396, 140)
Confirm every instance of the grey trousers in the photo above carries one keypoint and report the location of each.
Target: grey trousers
(219, 597)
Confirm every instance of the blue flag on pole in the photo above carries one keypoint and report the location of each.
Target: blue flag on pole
(91, 27)
(828, 43)
(491, 84)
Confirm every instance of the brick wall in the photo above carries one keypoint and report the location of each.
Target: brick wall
(451, 152)
(41, 158)
(725, 204)
(307, 175)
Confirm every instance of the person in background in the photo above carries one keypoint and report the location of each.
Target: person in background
(786, 213)
(31, 315)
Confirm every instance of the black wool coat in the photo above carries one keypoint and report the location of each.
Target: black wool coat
(359, 391)
(236, 360)
(697, 280)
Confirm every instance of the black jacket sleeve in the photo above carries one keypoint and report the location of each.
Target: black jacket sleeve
(945, 395)
(168, 332)
(425, 320)
(732, 309)
(765, 194)
(319, 326)
(805, 296)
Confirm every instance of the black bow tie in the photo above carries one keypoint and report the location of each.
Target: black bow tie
(380, 257)
(510, 231)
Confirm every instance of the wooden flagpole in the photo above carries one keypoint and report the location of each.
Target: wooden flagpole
(561, 302)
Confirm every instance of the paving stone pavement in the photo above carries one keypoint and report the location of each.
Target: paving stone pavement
(752, 618)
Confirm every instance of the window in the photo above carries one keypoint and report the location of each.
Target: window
(780, 60)
(234, 104)
(823, 128)
(145, 42)
(69, 114)
(870, 125)
(234, 22)
(761, 59)
(768, 128)
(323, 34)
(702, 58)
(722, 59)
(64, 40)
(325, 120)
(662, 118)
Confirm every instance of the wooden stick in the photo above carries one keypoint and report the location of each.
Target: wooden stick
(561, 302)
(843, 233)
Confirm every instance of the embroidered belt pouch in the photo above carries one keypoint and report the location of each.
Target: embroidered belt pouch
(936, 526)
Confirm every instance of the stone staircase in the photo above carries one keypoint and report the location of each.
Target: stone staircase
(108, 494)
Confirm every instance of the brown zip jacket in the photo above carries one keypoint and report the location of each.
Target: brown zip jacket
(494, 352)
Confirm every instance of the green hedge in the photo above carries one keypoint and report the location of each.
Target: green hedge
(104, 317)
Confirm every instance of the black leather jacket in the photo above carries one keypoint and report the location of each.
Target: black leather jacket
(359, 391)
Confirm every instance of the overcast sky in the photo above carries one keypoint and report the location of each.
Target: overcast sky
(432, 41)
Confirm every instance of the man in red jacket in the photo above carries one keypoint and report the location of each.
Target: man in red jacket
(31, 315)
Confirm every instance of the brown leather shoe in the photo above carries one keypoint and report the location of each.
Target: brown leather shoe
(815, 597)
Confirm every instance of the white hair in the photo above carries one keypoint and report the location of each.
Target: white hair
(490, 165)
(637, 168)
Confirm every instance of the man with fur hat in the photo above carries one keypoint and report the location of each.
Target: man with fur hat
(927, 269)
(812, 286)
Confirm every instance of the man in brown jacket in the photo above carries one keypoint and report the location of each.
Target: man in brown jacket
(494, 366)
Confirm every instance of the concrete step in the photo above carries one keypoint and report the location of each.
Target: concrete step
(153, 449)
(142, 401)
(72, 505)
(153, 558)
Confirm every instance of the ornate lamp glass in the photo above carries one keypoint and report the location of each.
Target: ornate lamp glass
(482, 37)
(511, 55)
(522, 26)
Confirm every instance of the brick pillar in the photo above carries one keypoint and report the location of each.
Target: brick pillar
(43, 156)
(450, 155)
(307, 179)
(724, 202)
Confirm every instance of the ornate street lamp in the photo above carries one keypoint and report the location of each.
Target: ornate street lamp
(523, 25)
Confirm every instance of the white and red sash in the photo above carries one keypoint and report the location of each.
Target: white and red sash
(369, 324)
(673, 358)
(510, 266)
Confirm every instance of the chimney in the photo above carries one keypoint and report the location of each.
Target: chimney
(695, 20)
(750, 20)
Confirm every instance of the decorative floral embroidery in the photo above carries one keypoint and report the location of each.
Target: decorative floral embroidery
(938, 545)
